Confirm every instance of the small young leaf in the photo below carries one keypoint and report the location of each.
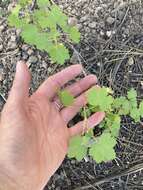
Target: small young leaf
(118, 102)
(86, 111)
(135, 114)
(85, 140)
(132, 94)
(74, 34)
(76, 149)
(66, 98)
(89, 133)
(125, 107)
(115, 127)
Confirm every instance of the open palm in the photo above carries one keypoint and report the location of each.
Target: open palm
(34, 135)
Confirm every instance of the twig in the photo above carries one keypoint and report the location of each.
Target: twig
(134, 168)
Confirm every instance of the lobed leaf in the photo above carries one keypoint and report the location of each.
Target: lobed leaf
(99, 97)
(132, 94)
(74, 34)
(76, 149)
(59, 53)
(135, 114)
(103, 148)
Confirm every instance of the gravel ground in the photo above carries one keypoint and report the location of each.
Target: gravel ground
(112, 48)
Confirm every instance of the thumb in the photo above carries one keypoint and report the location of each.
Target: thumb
(20, 88)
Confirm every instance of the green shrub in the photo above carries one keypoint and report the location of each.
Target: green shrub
(101, 147)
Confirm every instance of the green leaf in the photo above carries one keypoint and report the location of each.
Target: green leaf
(43, 41)
(125, 108)
(89, 133)
(132, 94)
(76, 149)
(43, 3)
(118, 102)
(135, 114)
(59, 53)
(57, 17)
(99, 97)
(115, 127)
(133, 103)
(141, 108)
(122, 105)
(102, 125)
(66, 98)
(29, 34)
(16, 10)
(40, 17)
(103, 149)
(85, 140)
(15, 21)
(74, 34)
(13, 18)
(86, 112)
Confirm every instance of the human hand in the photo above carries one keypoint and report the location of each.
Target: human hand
(34, 135)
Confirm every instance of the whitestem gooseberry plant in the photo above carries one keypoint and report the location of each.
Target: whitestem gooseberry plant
(46, 27)
(101, 147)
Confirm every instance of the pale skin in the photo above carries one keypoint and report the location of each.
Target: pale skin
(34, 136)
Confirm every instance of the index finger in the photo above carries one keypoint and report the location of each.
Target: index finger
(55, 82)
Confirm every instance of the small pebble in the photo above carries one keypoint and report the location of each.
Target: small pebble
(110, 20)
(13, 38)
(72, 21)
(1, 75)
(33, 59)
(1, 47)
(109, 33)
(30, 51)
(74, 58)
(130, 61)
(2, 27)
(92, 25)
(12, 45)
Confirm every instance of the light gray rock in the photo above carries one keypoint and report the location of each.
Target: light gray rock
(74, 58)
(72, 21)
(1, 47)
(33, 59)
(83, 19)
(13, 38)
(109, 33)
(2, 27)
(110, 20)
(92, 25)
(1, 75)
(30, 51)
(11, 45)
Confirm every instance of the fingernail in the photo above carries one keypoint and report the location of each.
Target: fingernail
(18, 66)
